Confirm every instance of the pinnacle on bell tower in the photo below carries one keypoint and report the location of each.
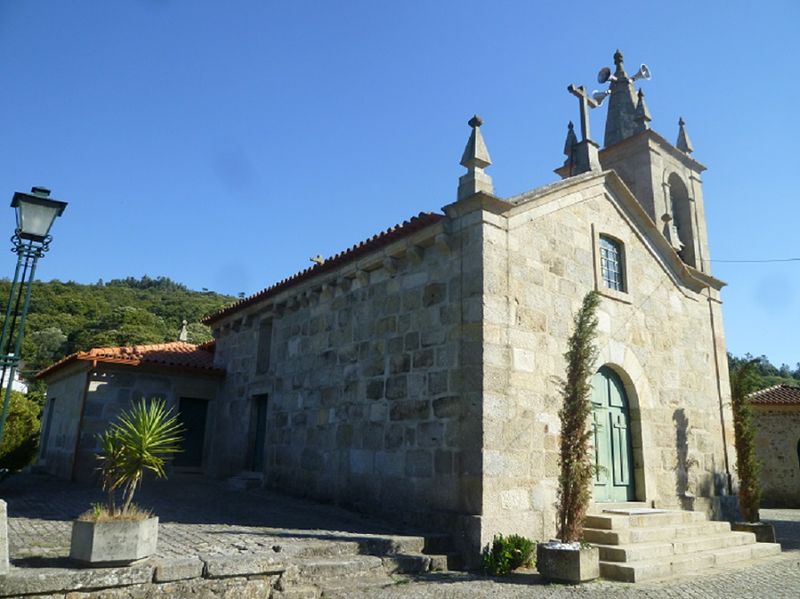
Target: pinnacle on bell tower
(642, 116)
(475, 159)
(621, 119)
(684, 144)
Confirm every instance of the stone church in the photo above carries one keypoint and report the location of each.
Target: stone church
(415, 374)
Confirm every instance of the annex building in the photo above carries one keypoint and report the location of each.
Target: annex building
(414, 375)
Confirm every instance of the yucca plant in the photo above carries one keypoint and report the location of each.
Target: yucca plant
(141, 439)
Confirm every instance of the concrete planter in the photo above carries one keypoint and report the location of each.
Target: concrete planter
(765, 533)
(113, 543)
(568, 565)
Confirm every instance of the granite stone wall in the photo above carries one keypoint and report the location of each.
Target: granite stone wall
(420, 382)
(373, 383)
(778, 452)
(658, 336)
(109, 390)
(60, 421)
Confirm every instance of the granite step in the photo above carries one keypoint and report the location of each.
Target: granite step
(636, 552)
(317, 570)
(344, 590)
(654, 519)
(647, 534)
(692, 562)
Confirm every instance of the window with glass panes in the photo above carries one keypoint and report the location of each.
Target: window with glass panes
(611, 264)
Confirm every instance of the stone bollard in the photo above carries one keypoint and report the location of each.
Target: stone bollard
(3, 539)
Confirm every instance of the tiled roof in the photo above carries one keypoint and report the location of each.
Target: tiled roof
(415, 223)
(777, 395)
(177, 354)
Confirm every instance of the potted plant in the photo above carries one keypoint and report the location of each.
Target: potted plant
(140, 439)
(747, 467)
(569, 559)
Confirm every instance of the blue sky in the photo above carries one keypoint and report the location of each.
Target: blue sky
(224, 143)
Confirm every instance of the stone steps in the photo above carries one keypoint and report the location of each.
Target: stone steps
(650, 544)
(364, 563)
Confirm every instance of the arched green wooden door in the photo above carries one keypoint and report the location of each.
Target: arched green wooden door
(612, 438)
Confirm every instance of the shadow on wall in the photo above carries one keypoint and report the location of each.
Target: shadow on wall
(682, 462)
(710, 488)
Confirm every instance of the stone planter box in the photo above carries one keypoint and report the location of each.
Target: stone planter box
(765, 533)
(113, 543)
(568, 565)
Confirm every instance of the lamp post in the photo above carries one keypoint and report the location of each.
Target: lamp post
(35, 215)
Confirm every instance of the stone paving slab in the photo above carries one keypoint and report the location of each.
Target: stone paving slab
(197, 517)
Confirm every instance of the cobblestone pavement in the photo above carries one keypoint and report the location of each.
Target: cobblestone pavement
(203, 517)
(196, 517)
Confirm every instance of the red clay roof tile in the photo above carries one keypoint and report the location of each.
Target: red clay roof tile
(176, 354)
(777, 395)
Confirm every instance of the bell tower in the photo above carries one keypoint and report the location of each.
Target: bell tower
(664, 177)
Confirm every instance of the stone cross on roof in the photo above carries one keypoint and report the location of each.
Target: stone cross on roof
(586, 102)
(581, 155)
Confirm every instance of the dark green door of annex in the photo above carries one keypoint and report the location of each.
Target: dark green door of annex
(192, 415)
(612, 439)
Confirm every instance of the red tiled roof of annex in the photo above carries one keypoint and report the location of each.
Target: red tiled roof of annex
(777, 395)
(177, 355)
(382, 239)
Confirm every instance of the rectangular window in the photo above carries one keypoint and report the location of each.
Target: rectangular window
(264, 346)
(611, 263)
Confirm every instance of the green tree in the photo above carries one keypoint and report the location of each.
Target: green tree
(575, 457)
(45, 346)
(21, 434)
(743, 382)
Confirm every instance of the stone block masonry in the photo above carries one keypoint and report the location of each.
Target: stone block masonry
(3, 538)
(372, 394)
(418, 381)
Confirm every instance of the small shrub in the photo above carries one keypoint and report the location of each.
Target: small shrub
(505, 554)
(99, 513)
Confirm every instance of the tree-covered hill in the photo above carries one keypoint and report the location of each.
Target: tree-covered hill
(765, 374)
(68, 317)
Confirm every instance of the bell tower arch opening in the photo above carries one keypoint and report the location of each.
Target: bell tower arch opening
(681, 208)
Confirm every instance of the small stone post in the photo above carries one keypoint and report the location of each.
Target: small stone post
(4, 566)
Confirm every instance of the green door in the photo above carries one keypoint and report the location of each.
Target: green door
(612, 439)
(260, 437)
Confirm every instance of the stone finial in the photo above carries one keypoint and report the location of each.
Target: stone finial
(475, 159)
(621, 119)
(184, 334)
(642, 116)
(684, 144)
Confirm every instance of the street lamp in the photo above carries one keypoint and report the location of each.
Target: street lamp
(35, 215)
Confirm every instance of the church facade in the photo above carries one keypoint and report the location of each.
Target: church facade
(415, 374)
